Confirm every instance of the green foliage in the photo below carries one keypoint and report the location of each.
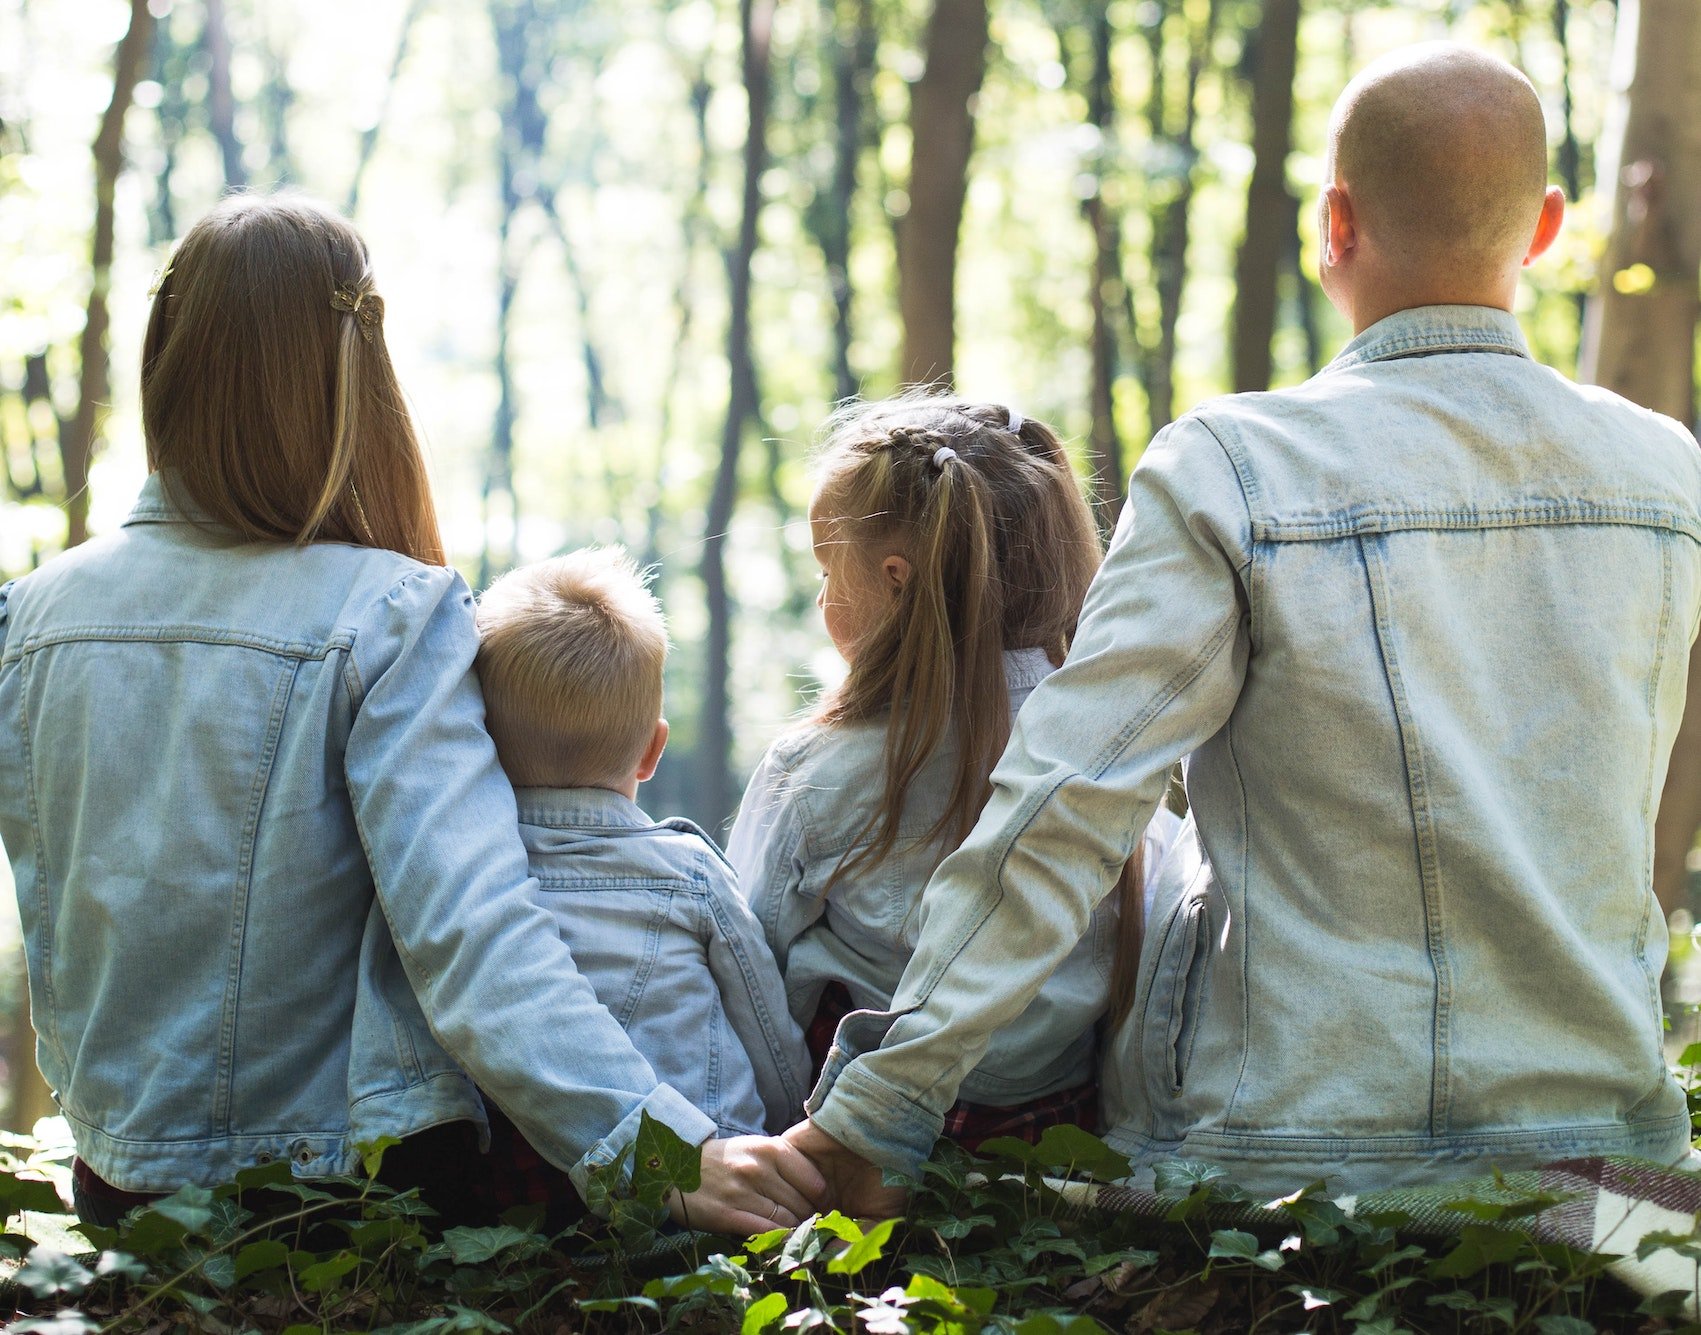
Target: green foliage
(996, 1244)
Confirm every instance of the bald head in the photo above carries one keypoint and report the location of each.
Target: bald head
(1443, 153)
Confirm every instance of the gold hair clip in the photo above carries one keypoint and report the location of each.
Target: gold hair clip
(160, 275)
(363, 303)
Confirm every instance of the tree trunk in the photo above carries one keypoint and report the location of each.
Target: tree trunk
(1105, 290)
(715, 729)
(853, 62)
(1172, 216)
(1639, 333)
(221, 104)
(1271, 210)
(941, 137)
(78, 445)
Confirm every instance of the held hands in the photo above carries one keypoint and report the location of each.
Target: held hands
(852, 1183)
(751, 1184)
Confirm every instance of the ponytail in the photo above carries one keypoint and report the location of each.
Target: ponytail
(1001, 547)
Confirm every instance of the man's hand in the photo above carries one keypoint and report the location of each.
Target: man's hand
(853, 1184)
(750, 1185)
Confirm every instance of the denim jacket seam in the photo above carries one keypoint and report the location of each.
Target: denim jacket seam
(1423, 832)
(300, 650)
(1179, 681)
(1552, 513)
(258, 788)
(1394, 346)
(42, 867)
(720, 924)
(1245, 928)
(1651, 699)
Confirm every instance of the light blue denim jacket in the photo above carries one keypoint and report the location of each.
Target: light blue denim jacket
(653, 916)
(1423, 623)
(274, 898)
(806, 807)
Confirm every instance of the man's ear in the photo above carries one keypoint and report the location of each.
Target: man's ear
(1339, 226)
(653, 755)
(1547, 226)
(897, 572)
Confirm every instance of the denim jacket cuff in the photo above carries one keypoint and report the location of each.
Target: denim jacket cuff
(667, 1106)
(872, 1119)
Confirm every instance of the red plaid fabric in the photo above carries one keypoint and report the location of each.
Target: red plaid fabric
(517, 1175)
(968, 1123)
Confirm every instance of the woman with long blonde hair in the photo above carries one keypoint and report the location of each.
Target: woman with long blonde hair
(274, 898)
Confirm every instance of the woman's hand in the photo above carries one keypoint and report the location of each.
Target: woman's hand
(750, 1185)
(853, 1183)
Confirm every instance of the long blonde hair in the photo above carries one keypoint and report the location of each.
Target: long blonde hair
(1001, 546)
(267, 391)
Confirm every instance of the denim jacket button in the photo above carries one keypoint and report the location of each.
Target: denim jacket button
(264, 1157)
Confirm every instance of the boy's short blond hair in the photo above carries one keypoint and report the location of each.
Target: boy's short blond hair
(570, 655)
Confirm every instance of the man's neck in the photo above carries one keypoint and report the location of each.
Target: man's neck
(1374, 302)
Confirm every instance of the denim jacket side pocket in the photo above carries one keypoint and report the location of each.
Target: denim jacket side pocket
(1179, 979)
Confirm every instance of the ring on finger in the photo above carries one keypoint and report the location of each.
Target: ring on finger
(774, 1214)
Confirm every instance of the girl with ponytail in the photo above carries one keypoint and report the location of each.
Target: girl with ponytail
(955, 548)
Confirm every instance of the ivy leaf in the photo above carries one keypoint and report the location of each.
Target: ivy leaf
(1232, 1244)
(18, 1194)
(611, 1304)
(806, 1319)
(263, 1175)
(1134, 1258)
(474, 1246)
(1180, 1177)
(1479, 1247)
(49, 1273)
(1007, 1147)
(326, 1276)
(119, 1265)
(1313, 1296)
(862, 1253)
(372, 1152)
(662, 1161)
(190, 1206)
(840, 1226)
(66, 1322)
(266, 1254)
(960, 1226)
(761, 1243)
(1080, 1151)
(1564, 1325)
(763, 1313)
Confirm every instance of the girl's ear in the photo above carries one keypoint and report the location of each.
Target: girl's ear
(896, 570)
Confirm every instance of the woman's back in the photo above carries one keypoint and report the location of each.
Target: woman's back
(189, 715)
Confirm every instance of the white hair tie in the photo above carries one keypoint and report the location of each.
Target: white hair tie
(941, 454)
(1016, 421)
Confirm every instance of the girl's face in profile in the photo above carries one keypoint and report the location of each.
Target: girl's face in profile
(855, 589)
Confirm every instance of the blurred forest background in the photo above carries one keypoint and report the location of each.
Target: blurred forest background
(632, 251)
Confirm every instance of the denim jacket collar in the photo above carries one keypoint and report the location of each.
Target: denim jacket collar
(156, 505)
(1024, 669)
(577, 808)
(1422, 331)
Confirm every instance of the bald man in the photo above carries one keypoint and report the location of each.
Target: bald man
(1422, 623)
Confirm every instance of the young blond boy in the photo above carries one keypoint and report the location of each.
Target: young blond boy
(570, 656)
